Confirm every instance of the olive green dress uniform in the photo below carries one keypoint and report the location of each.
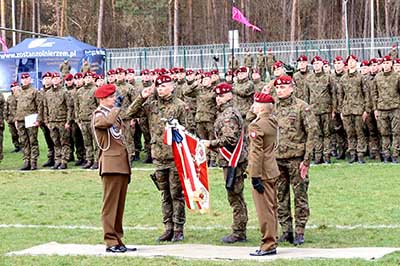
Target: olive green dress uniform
(114, 170)
(9, 116)
(262, 163)
(297, 129)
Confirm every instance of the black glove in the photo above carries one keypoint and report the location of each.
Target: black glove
(257, 184)
(118, 101)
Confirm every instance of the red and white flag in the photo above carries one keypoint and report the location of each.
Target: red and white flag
(191, 163)
(239, 17)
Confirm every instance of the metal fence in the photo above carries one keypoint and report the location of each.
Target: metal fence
(201, 56)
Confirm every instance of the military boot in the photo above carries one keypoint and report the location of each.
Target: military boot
(361, 159)
(394, 159)
(136, 157)
(318, 159)
(286, 237)
(62, 166)
(386, 159)
(87, 165)
(27, 166)
(33, 165)
(71, 158)
(166, 236)
(79, 162)
(148, 159)
(212, 163)
(298, 239)
(327, 159)
(50, 162)
(352, 158)
(230, 239)
(55, 167)
(17, 149)
(178, 236)
(95, 166)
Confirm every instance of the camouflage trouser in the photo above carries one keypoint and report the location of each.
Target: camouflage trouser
(61, 140)
(338, 136)
(128, 138)
(173, 203)
(29, 140)
(356, 141)
(88, 141)
(14, 135)
(373, 135)
(205, 130)
(323, 138)
(290, 175)
(49, 141)
(237, 202)
(1, 142)
(261, 70)
(389, 126)
(144, 127)
(137, 137)
(76, 140)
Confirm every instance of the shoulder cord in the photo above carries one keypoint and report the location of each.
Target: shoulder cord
(97, 140)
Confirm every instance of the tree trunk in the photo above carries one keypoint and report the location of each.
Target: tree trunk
(33, 17)
(3, 19)
(293, 21)
(320, 26)
(284, 19)
(366, 19)
(343, 21)
(100, 24)
(190, 21)
(39, 25)
(378, 19)
(387, 15)
(57, 7)
(21, 19)
(170, 22)
(396, 19)
(62, 20)
(176, 22)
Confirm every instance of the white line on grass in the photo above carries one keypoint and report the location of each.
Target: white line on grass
(198, 228)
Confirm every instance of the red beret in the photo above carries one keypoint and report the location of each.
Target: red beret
(214, 72)
(206, 75)
(89, 73)
(394, 45)
(173, 70)
(78, 75)
(255, 70)
(316, 58)
(69, 76)
(374, 61)
(386, 58)
(162, 71)
(283, 80)
(325, 62)
(144, 72)
(162, 79)
(260, 97)
(56, 74)
(111, 72)
(337, 58)
(364, 63)
(105, 91)
(181, 70)
(278, 64)
(130, 70)
(25, 75)
(352, 57)
(269, 49)
(242, 69)
(99, 76)
(47, 75)
(223, 88)
(119, 70)
(199, 71)
(152, 72)
(302, 58)
(189, 72)
(14, 84)
(397, 61)
(229, 73)
(260, 50)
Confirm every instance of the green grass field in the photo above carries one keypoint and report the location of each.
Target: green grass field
(366, 196)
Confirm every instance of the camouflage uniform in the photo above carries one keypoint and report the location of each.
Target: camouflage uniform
(85, 67)
(386, 100)
(142, 127)
(46, 133)
(65, 68)
(190, 105)
(258, 85)
(371, 123)
(299, 79)
(234, 65)
(351, 104)
(179, 85)
(243, 91)
(156, 109)
(76, 138)
(9, 116)
(2, 114)
(393, 53)
(296, 131)
(205, 113)
(57, 112)
(248, 62)
(260, 63)
(128, 92)
(227, 129)
(269, 62)
(320, 95)
(29, 101)
(85, 104)
(338, 133)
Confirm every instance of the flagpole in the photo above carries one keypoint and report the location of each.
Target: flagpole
(233, 35)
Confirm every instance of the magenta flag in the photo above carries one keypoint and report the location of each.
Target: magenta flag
(239, 17)
(3, 43)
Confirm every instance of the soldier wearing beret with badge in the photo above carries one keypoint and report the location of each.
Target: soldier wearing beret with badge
(229, 140)
(264, 171)
(114, 166)
(296, 125)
